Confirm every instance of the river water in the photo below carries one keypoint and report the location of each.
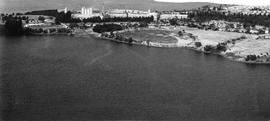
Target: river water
(83, 78)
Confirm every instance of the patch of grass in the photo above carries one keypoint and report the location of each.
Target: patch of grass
(160, 36)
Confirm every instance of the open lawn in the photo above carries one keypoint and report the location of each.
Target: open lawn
(215, 37)
(242, 48)
(250, 47)
(46, 26)
(159, 36)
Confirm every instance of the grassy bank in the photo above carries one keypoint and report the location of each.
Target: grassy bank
(235, 46)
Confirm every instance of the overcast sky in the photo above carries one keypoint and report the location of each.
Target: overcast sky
(241, 2)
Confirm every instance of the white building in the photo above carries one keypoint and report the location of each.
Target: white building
(65, 10)
(88, 13)
(129, 13)
(173, 15)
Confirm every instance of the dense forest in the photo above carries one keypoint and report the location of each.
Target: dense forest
(248, 20)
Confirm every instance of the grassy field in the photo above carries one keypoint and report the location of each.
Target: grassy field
(159, 36)
(215, 37)
(241, 48)
(250, 47)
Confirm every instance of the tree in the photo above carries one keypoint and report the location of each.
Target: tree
(130, 40)
(143, 24)
(14, 27)
(198, 44)
(41, 18)
(221, 47)
(208, 48)
(173, 22)
(181, 33)
(251, 58)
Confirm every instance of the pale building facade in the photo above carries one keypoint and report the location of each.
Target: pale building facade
(129, 13)
(171, 16)
(87, 11)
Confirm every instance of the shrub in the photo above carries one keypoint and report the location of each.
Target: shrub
(208, 48)
(143, 24)
(243, 37)
(221, 47)
(52, 30)
(41, 18)
(73, 25)
(251, 58)
(198, 44)
(180, 33)
(130, 40)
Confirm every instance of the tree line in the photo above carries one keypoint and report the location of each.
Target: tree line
(53, 13)
(247, 20)
(117, 19)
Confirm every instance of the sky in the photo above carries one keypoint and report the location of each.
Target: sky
(27, 5)
(240, 2)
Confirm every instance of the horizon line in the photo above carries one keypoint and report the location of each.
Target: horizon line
(232, 2)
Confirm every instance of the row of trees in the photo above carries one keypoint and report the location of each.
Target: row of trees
(66, 18)
(223, 46)
(251, 58)
(220, 47)
(107, 28)
(118, 37)
(119, 19)
(47, 31)
(53, 13)
(6, 17)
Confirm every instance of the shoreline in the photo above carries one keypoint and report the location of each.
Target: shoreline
(181, 43)
(178, 45)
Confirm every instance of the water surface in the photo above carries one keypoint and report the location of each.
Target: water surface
(83, 78)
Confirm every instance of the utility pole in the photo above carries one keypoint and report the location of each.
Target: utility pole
(103, 7)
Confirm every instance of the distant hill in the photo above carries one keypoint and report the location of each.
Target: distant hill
(150, 4)
(29, 5)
